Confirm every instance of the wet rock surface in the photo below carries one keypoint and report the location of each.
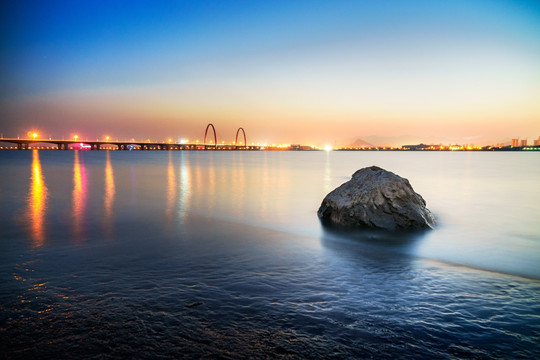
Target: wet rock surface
(376, 198)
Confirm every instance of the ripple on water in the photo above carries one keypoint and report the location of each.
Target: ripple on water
(335, 303)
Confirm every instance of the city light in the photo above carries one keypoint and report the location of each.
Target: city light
(34, 135)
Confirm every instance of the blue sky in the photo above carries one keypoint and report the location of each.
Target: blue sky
(370, 65)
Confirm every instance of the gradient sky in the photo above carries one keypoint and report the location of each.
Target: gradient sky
(322, 72)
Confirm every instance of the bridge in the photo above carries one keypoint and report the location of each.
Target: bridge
(24, 144)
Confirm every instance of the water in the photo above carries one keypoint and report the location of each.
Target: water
(221, 255)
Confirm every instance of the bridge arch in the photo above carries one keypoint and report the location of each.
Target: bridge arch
(238, 132)
(206, 133)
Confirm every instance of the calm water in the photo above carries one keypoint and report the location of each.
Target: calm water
(221, 255)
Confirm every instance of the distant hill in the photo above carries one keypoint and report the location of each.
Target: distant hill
(360, 143)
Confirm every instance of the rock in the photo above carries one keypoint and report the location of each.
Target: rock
(376, 198)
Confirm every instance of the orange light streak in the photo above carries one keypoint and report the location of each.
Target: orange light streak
(171, 188)
(37, 201)
(110, 191)
(79, 194)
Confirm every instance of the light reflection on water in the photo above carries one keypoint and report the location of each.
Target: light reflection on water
(37, 201)
(222, 253)
(171, 188)
(79, 196)
(185, 187)
(486, 218)
(109, 194)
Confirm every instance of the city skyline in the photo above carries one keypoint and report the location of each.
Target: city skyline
(303, 72)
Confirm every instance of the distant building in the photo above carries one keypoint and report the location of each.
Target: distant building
(515, 142)
(300, 147)
(524, 142)
(415, 147)
(537, 142)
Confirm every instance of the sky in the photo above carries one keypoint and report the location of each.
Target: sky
(311, 72)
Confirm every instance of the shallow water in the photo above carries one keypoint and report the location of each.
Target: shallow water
(211, 254)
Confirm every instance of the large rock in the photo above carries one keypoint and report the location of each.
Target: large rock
(376, 198)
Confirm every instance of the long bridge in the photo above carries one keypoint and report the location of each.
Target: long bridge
(24, 144)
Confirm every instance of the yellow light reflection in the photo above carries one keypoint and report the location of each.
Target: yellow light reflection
(37, 201)
(185, 191)
(327, 174)
(109, 193)
(239, 181)
(79, 195)
(211, 187)
(171, 188)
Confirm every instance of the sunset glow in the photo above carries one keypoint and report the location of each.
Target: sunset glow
(310, 72)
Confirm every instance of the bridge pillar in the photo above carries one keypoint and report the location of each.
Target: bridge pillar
(26, 146)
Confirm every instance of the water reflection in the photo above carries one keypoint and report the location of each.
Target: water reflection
(37, 201)
(171, 188)
(79, 194)
(327, 174)
(239, 183)
(109, 193)
(133, 186)
(211, 190)
(265, 186)
(184, 188)
(388, 254)
(403, 241)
